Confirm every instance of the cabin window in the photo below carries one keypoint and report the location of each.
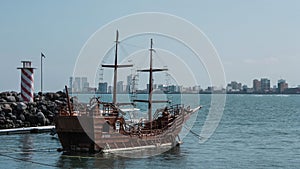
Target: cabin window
(118, 126)
(105, 127)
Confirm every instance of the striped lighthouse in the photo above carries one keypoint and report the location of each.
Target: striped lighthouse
(27, 89)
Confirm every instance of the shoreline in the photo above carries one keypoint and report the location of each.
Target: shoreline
(14, 113)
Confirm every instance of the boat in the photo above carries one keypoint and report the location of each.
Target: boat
(102, 127)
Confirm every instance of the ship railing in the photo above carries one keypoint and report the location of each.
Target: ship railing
(147, 132)
(173, 110)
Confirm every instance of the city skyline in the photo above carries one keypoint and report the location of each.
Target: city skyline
(262, 85)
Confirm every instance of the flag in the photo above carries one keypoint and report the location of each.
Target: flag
(42, 55)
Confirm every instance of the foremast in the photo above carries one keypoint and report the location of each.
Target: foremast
(115, 67)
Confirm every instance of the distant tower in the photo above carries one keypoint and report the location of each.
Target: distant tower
(282, 85)
(101, 75)
(77, 84)
(71, 84)
(265, 85)
(120, 87)
(27, 88)
(256, 85)
(134, 87)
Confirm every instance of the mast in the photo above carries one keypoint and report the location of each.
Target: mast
(116, 66)
(150, 85)
(151, 70)
(115, 70)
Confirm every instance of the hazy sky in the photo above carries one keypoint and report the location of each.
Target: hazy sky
(254, 39)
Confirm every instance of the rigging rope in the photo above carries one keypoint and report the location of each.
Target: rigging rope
(29, 161)
(194, 133)
(5, 154)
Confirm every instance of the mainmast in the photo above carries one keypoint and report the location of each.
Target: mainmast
(115, 70)
(150, 84)
(116, 66)
(150, 91)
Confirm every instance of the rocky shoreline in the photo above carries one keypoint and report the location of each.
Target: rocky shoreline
(14, 113)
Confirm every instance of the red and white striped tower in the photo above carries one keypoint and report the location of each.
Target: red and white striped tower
(27, 89)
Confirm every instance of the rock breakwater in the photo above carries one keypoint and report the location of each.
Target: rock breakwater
(14, 113)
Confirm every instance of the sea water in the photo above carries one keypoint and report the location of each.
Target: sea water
(256, 131)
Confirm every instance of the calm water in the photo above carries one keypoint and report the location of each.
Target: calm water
(255, 132)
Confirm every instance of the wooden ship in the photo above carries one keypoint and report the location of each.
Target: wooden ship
(101, 126)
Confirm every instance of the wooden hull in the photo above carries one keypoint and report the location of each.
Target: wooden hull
(94, 134)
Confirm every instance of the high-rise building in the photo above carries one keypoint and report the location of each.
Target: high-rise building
(256, 85)
(120, 87)
(265, 84)
(195, 88)
(71, 83)
(110, 89)
(148, 86)
(84, 84)
(160, 86)
(154, 86)
(282, 85)
(234, 86)
(77, 84)
(102, 87)
(129, 84)
(245, 88)
(172, 88)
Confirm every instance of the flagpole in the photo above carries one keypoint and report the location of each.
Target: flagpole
(42, 55)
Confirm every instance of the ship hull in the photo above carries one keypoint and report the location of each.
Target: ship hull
(94, 134)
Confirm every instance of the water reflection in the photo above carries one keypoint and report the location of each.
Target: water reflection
(83, 160)
(27, 146)
(109, 160)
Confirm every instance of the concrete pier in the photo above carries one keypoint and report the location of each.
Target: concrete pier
(39, 129)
